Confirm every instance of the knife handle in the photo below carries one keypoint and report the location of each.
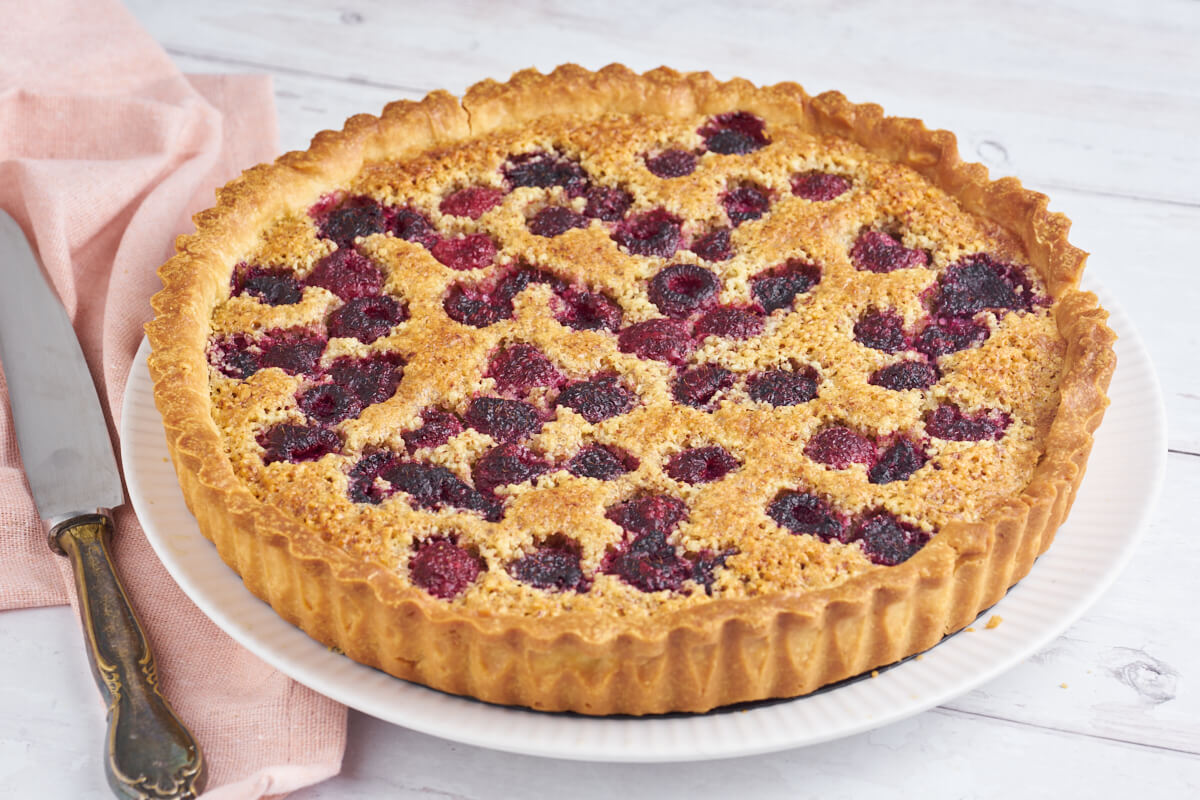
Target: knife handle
(148, 753)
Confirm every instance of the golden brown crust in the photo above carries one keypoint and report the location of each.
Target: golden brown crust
(692, 659)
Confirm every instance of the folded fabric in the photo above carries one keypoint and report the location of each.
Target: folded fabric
(106, 150)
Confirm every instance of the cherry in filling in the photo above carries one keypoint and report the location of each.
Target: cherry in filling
(434, 487)
(607, 203)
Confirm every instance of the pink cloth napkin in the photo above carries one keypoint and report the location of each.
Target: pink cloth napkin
(106, 150)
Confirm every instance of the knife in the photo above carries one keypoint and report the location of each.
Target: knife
(69, 462)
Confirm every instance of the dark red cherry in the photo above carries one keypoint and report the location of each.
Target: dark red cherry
(837, 447)
(876, 251)
(442, 568)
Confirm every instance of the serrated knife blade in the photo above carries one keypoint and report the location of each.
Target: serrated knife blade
(69, 462)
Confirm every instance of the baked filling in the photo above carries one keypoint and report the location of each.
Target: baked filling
(631, 363)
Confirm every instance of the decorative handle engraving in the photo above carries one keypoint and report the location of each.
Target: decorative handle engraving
(148, 752)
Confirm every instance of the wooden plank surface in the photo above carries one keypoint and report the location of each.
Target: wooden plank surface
(1095, 103)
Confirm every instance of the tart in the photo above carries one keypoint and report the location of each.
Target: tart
(620, 393)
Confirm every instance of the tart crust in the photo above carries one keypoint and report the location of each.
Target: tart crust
(691, 659)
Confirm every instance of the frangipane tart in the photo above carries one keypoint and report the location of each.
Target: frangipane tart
(620, 393)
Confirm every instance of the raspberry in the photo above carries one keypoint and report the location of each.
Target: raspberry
(904, 375)
(881, 330)
(358, 216)
(672, 163)
(471, 202)
(701, 465)
(275, 287)
(654, 233)
(473, 251)
(780, 387)
(413, 226)
(777, 287)
(587, 311)
(735, 133)
(681, 289)
(659, 339)
(520, 367)
(949, 335)
(372, 379)
(648, 563)
(949, 422)
(437, 429)
(542, 170)
(235, 356)
(601, 462)
(367, 318)
(606, 203)
(515, 282)
(980, 283)
(705, 565)
(295, 351)
(746, 203)
(442, 568)
(470, 306)
(838, 447)
(801, 512)
(293, 443)
(898, 462)
(362, 487)
(503, 420)
(730, 323)
(886, 540)
(597, 399)
(714, 246)
(328, 404)
(819, 186)
(698, 386)
(348, 274)
(876, 251)
(554, 221)
(651, 514)
(552, 566)
(433, 487)
(507, 464)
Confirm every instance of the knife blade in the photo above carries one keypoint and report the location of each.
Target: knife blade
(69, 463)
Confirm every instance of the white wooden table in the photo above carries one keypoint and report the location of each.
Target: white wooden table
(1095, 103)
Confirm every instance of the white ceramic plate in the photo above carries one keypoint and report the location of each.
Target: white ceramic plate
(1123, 481)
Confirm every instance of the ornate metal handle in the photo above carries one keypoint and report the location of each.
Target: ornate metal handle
(148, 753)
